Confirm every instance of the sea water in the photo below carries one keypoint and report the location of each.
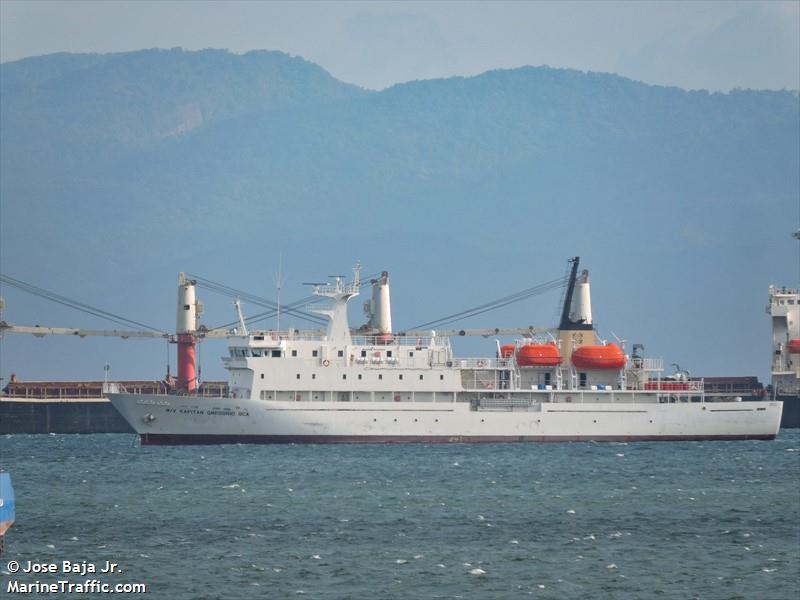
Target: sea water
(568, 520)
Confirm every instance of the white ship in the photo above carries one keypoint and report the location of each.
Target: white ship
(372, 385)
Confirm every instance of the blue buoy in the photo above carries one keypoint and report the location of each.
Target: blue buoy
(7, 506)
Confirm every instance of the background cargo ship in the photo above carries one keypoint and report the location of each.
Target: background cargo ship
(784, 310)
(74, 406)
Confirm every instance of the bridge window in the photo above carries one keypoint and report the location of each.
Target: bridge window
(276, 353)
(256, 352)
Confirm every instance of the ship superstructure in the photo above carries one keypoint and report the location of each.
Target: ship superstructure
(372, 385)
(784, 310)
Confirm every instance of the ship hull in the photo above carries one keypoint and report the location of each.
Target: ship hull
(196, 440)
(791, 411)
(36, 415)
(171, 420)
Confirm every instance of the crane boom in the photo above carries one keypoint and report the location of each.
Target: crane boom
(480, 332)
(39, 331)
(483, 332)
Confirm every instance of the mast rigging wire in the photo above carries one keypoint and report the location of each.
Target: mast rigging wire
(74, 304)
(494, 304)
(290, 308)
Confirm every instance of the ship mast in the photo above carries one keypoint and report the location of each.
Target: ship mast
(340, 293)
(796, 235)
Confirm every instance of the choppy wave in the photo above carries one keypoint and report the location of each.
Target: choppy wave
(567, 521)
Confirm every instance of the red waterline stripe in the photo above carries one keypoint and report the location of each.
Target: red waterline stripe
(166, 439)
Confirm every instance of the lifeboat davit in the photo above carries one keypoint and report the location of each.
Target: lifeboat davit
(507, 350)
(794, 346)
(599, 357)
(539, 355)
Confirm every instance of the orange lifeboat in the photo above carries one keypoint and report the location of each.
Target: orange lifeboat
(539, 355)
(599, 357)
(507, 350)
(794, 346)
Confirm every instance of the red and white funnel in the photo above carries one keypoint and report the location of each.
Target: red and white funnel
(186, 327)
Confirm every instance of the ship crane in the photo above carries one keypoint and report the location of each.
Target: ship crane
(188, 331)
(185, 337)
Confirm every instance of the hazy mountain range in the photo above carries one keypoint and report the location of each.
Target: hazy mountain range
(119, 170)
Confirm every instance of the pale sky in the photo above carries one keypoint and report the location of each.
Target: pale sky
(711, 45)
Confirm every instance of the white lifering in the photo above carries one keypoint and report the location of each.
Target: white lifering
(326, 362)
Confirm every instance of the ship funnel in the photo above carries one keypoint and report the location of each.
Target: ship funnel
(185, 327)
(581, 310)
(379, 307)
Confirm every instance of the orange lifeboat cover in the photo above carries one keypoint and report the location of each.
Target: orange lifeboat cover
(539, 355)
(507, 350)
(794, 346)
(599, 357)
